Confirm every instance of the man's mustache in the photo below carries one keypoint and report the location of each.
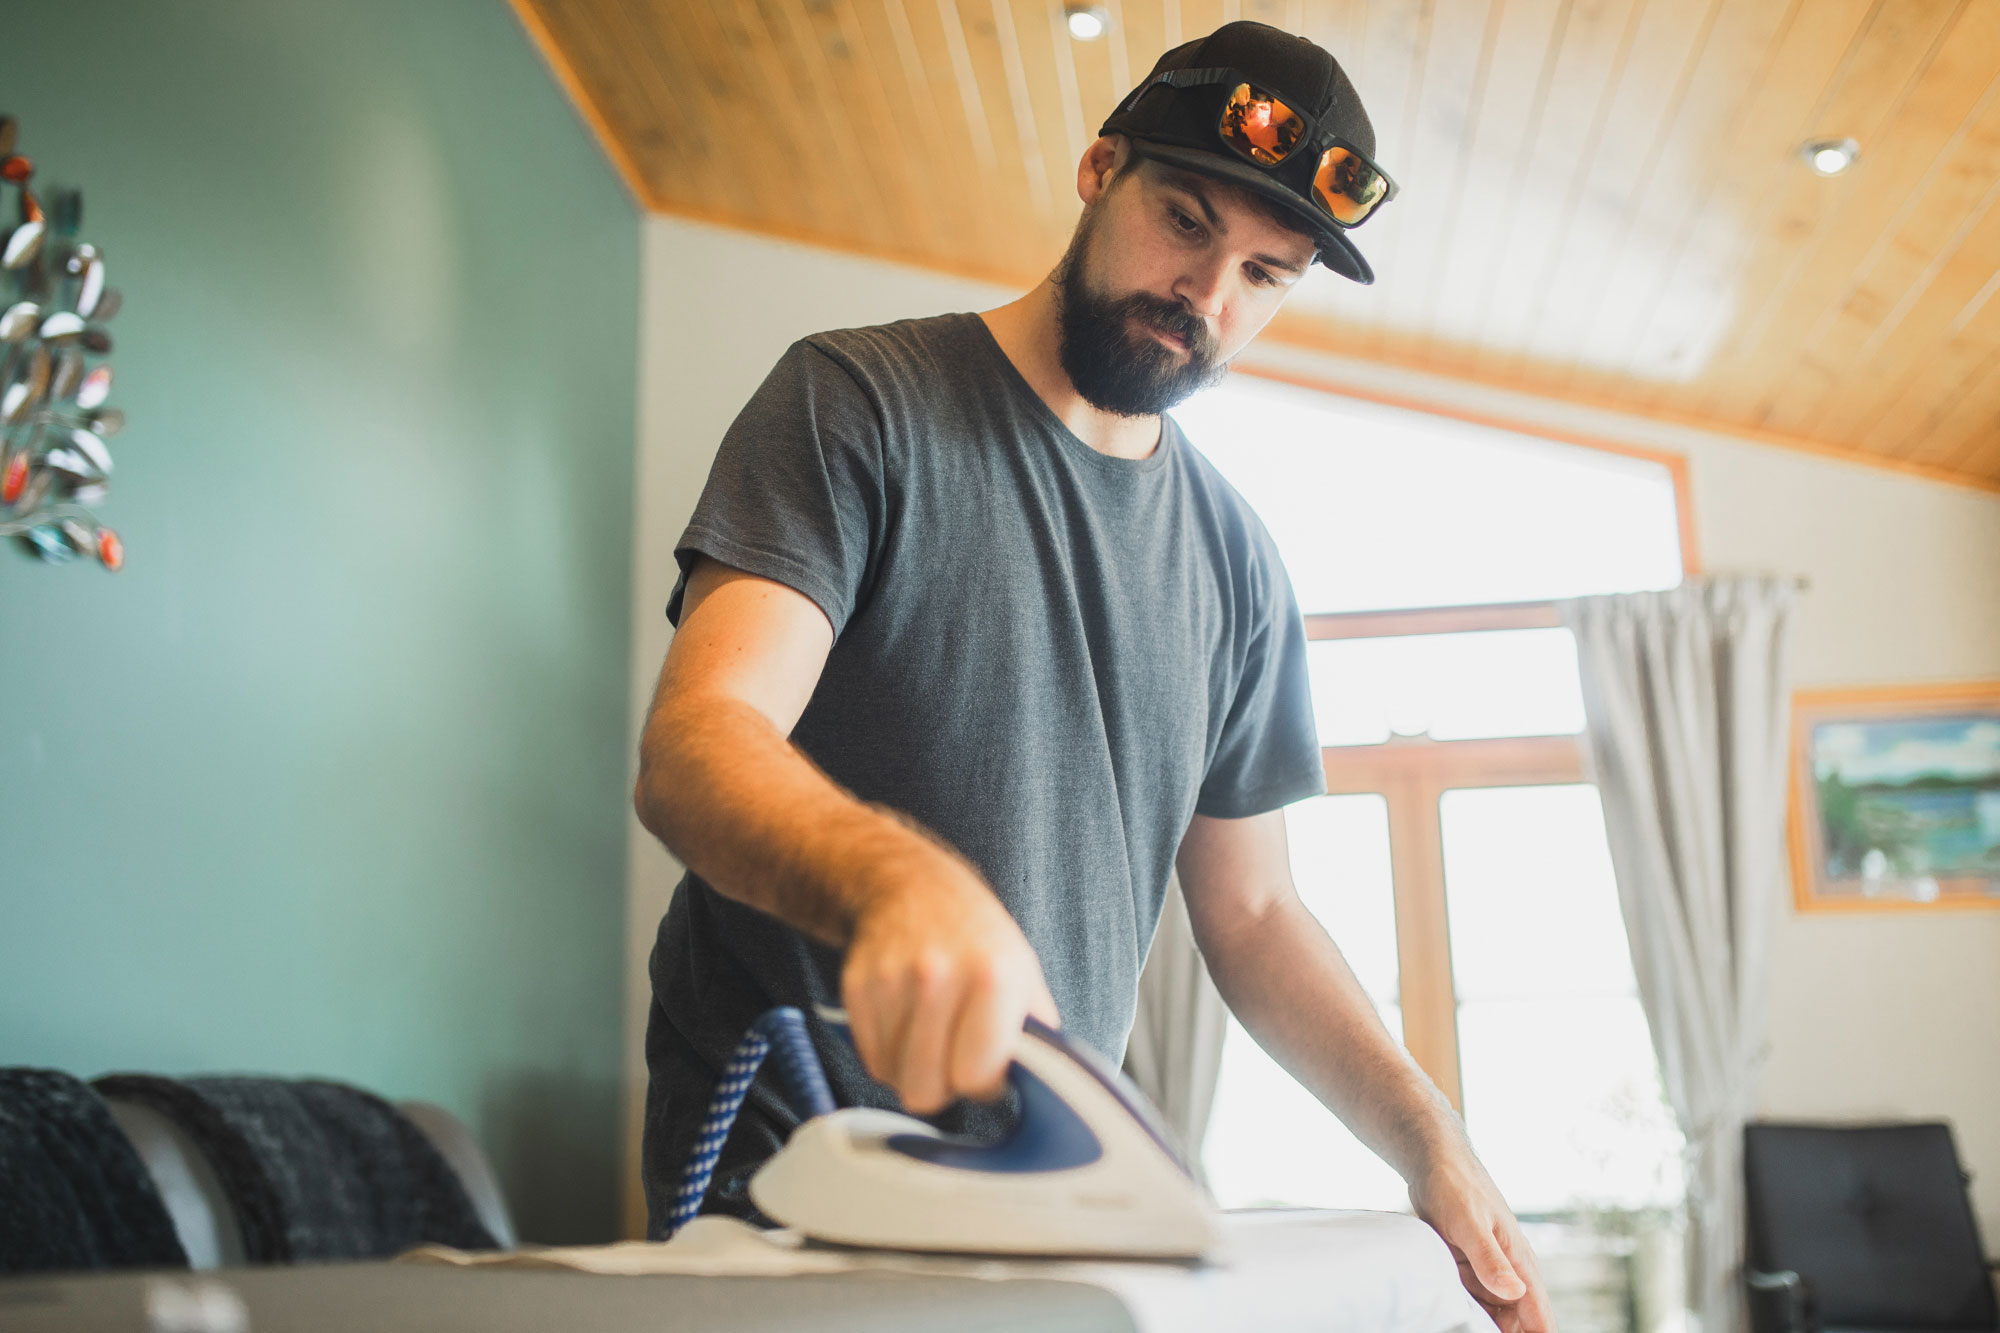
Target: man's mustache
(1176, 319)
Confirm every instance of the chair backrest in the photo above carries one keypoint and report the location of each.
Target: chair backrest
(461, 1151)
(1875, 1217)
(74, 1194)
(204, 1218)
(200, 1209)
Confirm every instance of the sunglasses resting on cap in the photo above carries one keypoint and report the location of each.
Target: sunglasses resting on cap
(1261, 129)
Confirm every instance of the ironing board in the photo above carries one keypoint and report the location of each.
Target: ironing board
(1337, 1272)
(1280, 1269)
(388, 1297)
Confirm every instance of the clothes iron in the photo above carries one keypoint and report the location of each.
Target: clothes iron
(1088, 1169)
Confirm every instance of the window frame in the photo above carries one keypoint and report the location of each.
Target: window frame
(1412, 774)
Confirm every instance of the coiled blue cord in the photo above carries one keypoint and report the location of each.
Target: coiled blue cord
(784, 1029)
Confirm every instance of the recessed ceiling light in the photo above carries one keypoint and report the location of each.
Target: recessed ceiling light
(1087, 23)
(1829, 157)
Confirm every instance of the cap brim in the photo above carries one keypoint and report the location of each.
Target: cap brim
(1335, 250)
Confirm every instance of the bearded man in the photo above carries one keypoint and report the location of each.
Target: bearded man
(973, 650)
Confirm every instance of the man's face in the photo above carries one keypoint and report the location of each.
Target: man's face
(1168, 276)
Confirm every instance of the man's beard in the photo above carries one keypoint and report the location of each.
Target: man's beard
(1115, 369)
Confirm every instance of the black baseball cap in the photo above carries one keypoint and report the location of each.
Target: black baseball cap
(1177, 126)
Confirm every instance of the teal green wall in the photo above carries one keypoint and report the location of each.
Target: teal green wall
(331, 779)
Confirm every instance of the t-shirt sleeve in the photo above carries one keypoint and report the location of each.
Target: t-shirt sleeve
(1269, 753)
(796, 494)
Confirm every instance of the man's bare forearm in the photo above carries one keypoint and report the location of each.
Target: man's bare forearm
(746, 811)
(1285, 980)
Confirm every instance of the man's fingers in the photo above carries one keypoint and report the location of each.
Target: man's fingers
(921, 1059)
(1519, 1308)
(1505, 1314)
(1495, 1261)
(1536, 1317)
(872, 1020)
(1532, 1309)
(936, 993)
(1490, 1265)
(983, 1042)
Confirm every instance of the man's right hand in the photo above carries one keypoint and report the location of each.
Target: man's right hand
(938, 977)
(937, 982)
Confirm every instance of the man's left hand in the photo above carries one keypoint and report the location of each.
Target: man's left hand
(1462, 1205)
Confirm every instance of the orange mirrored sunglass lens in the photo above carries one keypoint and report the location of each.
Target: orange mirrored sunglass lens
(1348, 186)
(1260, 127)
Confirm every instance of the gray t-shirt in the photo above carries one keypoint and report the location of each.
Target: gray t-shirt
(1049, 657)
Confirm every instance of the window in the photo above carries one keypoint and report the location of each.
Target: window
(1451, 687)
(1378, 508)
(1340, 861)
(1459, 859)
(1542, 976)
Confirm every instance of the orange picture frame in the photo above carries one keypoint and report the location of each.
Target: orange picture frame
(1895, 798)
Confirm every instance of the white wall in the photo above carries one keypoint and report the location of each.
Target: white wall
(1888, 1015)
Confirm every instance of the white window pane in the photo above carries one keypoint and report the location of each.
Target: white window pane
(1340, 862)
(1530, 900)
(1517, 682)
(1377, 507)
(1270, 1141)
(1563, 1104)
(1562, 1094)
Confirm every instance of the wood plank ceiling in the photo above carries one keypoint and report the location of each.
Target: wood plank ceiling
(1601, 200)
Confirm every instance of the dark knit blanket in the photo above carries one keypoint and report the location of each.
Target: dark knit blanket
(315, 1170)
(73, 1192)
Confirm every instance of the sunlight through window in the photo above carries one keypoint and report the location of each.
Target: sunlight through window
(1380, 507)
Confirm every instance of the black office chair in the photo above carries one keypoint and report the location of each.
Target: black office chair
(1862, 1227)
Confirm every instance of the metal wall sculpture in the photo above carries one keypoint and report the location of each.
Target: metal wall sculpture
(54, 466)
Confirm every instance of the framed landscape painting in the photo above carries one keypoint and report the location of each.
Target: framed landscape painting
(1896, 798)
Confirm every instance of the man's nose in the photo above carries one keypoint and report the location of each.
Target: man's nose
(1201, 290)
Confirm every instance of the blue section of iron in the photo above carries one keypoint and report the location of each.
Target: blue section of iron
(1115, 1083)
(1049, 1136)
(798, 1069)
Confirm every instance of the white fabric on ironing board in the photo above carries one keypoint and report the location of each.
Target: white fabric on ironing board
(1330, 1272)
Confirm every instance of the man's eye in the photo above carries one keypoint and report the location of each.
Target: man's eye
(1183, 223)
(1260, 277)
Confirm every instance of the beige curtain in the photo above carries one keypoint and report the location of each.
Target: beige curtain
(1175, 1051)
(1686, 698)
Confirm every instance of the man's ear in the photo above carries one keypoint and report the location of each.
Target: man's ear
(1101, 164)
